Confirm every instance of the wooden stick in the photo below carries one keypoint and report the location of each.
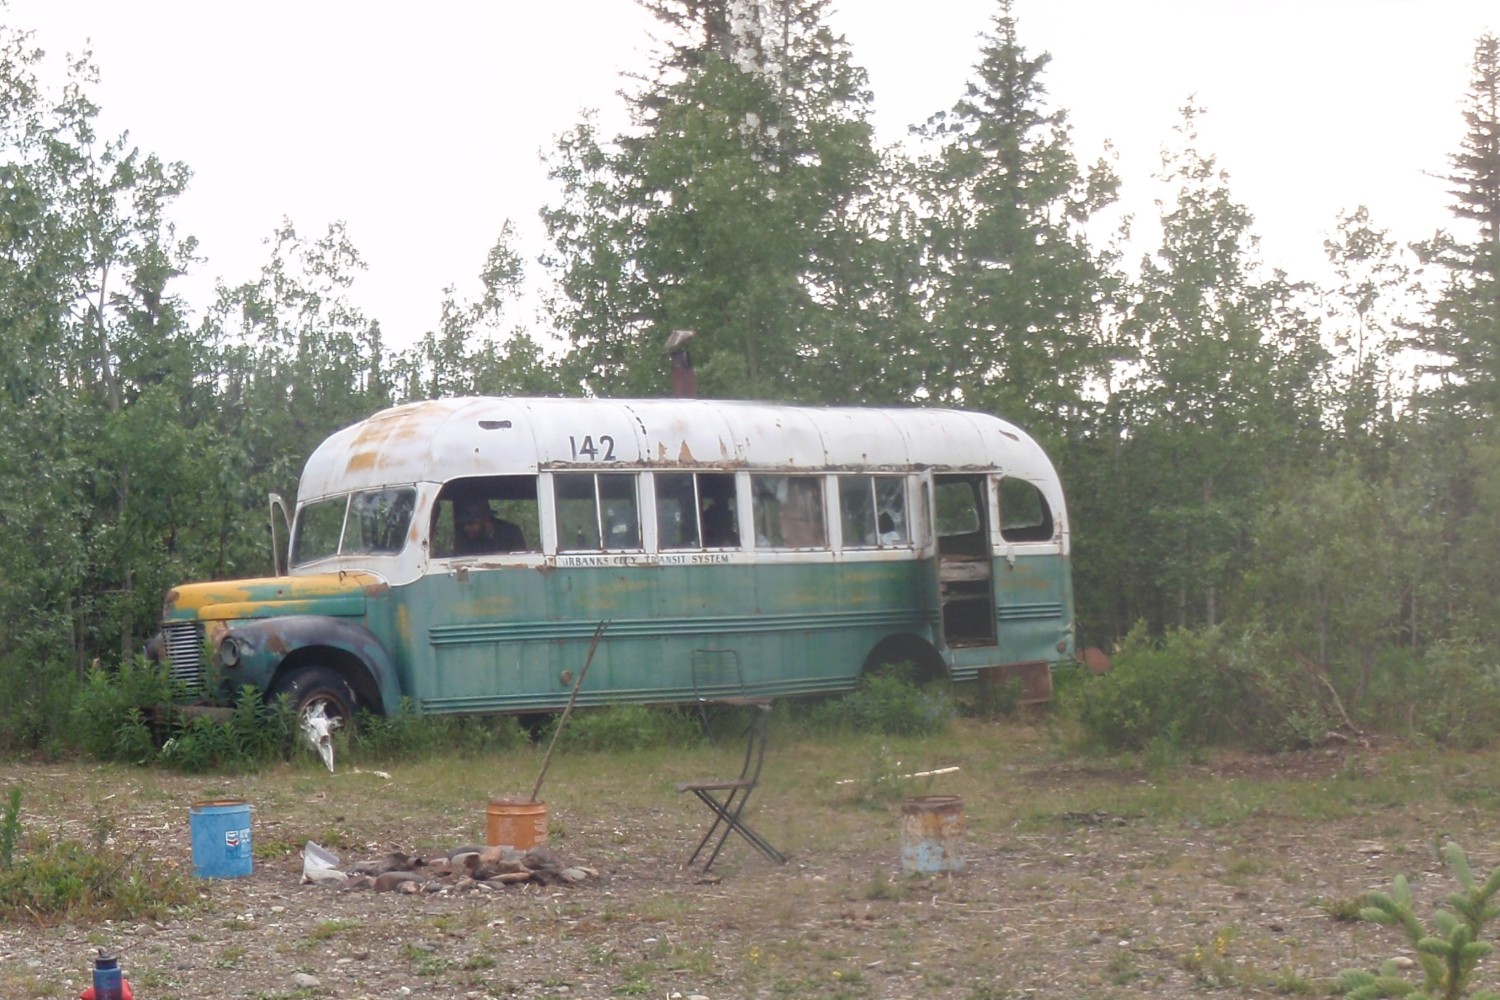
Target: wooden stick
(598, 632)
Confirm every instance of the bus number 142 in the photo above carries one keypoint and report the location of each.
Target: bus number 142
(603, 451)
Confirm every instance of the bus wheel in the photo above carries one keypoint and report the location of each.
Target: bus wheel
(318, 692)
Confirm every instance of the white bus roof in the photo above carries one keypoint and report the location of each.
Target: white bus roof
(443, 439)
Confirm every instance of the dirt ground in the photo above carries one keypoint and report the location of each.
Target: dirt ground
(1078, 881)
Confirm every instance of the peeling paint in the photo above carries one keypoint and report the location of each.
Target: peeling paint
(267, 596)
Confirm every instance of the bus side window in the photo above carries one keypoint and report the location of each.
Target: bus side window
(716, 507)
(622, 514)
(890, 507)
(676, 511)
(1024, 514)
(873, 511)
(596, 511)
(577, 511)
(857, 512)
(789, 512)
(696, 510)
(510, 502)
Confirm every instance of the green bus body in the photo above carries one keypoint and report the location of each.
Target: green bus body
(509, 632)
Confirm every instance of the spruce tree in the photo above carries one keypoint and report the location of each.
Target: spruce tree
(735, 206)
(1463, 332)
(1013, 289)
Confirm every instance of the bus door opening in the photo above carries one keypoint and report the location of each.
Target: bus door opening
(965, 589)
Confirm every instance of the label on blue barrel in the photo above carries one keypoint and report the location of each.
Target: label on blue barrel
(237, 842)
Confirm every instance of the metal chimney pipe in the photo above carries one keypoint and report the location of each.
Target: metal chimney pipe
(684, 379)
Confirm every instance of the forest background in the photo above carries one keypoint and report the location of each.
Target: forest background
(1249, 458)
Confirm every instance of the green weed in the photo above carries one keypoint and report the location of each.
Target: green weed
(882, 887)
(73, 882)
(326, 930)
(10, 827)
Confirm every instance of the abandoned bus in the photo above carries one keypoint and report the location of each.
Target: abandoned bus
(465, 553)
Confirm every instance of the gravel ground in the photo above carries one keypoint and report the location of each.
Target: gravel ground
(1078, 903)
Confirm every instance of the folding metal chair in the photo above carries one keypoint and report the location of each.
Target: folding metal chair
(726, 799)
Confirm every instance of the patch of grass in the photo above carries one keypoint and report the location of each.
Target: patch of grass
(1345, 910)
(1240, 868)
(885, 780)
(68, 881)
(433, 965)
(266, 848)
(883, 887)
(327, 930)
(229, 957)
(1290, 983)
(1121, 968)
(697, 960)
(636, 980)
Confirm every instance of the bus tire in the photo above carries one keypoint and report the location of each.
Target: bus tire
(317, 690)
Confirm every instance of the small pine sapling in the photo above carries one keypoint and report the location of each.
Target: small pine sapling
(1447, 954)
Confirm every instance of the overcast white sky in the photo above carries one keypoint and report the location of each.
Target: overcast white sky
(421, 125)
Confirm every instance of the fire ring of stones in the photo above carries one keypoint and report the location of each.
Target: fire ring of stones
(464, 869)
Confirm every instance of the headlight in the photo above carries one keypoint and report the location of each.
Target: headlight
(229, 652)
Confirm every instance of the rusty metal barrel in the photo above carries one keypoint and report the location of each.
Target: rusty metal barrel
(517, 823)
(932, 834)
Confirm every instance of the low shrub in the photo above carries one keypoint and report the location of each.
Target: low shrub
(1455, 701)
(889, 703)
(256, 733)
(407, 735)
(1199, 688)
(990, 699)
(624, 727)
(35, 697)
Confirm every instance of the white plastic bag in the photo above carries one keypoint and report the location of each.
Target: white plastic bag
(320, 865)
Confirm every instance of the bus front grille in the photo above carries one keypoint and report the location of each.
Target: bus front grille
(185, 655)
